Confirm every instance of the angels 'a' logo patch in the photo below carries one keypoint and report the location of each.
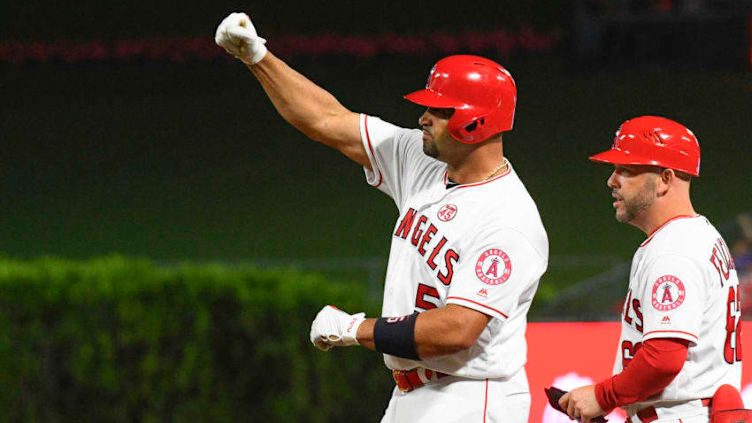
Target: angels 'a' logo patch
(668, 293)
(493, 267)
(447, 212)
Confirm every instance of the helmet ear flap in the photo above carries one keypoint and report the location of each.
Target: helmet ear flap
(468, 126)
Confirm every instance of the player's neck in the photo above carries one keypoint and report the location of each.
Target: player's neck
(478, 163)
(659, 214)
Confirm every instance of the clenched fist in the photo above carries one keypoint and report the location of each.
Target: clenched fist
(333, 327)
(238, 37)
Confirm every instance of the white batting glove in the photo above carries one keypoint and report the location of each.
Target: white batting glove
(238, 37)
(333, 327)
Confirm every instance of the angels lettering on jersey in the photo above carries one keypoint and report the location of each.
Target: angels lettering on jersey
(424, 237)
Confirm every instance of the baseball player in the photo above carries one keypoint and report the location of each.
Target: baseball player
(468, 247)
(680, 337)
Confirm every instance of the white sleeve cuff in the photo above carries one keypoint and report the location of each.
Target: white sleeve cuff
(465, 302)
(653, 334)
(374, 176)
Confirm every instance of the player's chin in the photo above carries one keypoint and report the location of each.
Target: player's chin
(622, 216)
(429, 148)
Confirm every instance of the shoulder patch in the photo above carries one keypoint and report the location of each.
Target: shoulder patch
(493, 267)
(668, 293)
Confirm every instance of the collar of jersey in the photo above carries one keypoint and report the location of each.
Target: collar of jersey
(475, 184)
(681, 216)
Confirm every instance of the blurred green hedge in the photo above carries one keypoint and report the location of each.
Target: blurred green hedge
(122, 340)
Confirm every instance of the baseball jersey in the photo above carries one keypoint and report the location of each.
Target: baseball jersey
(683, 284)
(479, 245)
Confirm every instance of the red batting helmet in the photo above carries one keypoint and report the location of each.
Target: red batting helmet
(655, 141)
(727, 406)
(481, 92)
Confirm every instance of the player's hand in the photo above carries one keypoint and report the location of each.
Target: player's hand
(238, 37)
(333, 327)
(581, 404)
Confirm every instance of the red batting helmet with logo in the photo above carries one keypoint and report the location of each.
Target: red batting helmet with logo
(481, 92)
(655, 141)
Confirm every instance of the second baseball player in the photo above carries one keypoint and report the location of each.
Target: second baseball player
(680, 337)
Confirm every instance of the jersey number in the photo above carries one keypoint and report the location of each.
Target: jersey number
(732, 349)
(423, 292)
(628, 351)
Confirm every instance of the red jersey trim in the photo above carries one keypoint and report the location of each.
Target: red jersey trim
(370, 147)
(507, 172)
(477, 303)
(652, 234)
(670, 331)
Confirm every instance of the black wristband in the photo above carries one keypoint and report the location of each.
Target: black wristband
(396, 336)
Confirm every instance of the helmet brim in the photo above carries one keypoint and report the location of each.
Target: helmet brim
(619, 157)
(430, 98)
(622, 158)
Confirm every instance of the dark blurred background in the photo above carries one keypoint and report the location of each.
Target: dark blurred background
(123, 129)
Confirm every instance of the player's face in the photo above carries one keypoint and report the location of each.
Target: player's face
(435, 133)
(634, 191)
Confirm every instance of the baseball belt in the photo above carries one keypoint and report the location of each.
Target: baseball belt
(648, 414)
(407, 380)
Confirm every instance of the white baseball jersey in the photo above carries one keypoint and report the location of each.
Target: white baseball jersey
(683, 284)
(479, 245)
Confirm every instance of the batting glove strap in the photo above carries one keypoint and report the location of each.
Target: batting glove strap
(350, 334)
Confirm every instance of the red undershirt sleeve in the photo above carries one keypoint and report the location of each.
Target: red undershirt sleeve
(651, 370)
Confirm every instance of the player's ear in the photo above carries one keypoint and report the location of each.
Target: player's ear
(666, 178)
(667, 175)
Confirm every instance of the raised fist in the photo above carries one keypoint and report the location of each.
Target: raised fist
(238, 37)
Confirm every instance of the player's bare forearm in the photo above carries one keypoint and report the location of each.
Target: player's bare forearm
(448, 329)
(296, 98)
(365, 334)
(440, 331)
(310, 108)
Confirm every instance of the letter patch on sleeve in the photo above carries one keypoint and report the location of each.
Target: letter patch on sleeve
(668, 293)
(493, 267)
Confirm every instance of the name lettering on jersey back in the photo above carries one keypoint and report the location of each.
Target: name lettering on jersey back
(424, 239)
(722, 260)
